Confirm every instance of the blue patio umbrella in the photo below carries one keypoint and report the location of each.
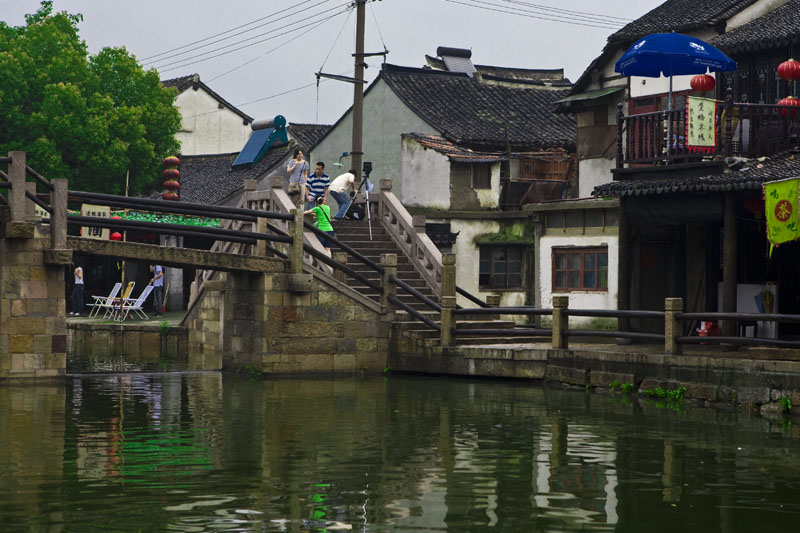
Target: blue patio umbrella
(672, 54)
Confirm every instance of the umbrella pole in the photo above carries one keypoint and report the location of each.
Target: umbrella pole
(669, 110)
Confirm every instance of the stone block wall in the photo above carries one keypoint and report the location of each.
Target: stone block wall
(253, 322)
(126, 347)
(33, 328)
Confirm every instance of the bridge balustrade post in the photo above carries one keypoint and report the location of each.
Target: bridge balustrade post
(16, 196)
(560, 322)
(389, 264)
(448, 298)
(296, 250)
(493, 300)
(672, 326)
(340, 257)
(418, 221)
(30, 207)
(58, 218)
(386, 186)
(261, 244)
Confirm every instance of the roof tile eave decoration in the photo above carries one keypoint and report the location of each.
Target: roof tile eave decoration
(784, 165)
(468, 112)
(184, 82)
(780, 27)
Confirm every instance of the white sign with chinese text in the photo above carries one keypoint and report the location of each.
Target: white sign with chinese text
(100, 211)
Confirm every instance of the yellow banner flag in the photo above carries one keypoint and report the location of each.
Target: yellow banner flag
(781, 206)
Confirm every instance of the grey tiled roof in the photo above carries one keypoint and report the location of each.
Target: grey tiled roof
(681, 16)
(778, 28)
(209, 179)
(308, 135)
(785, 165)
(473, 113)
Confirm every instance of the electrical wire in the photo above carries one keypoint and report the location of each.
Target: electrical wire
(378, 27)
(281, 12)
(558, 10)
(203, 57)
(265, 53)
(523, 13)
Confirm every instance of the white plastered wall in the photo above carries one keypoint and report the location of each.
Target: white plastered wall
(425, 174)
(207, 129)
(579, 299)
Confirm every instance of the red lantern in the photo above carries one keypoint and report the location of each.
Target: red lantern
(171, 161)
(116, 236)
(789, 101)
(171, 173)
(703, 83)
(117, 217)
(169, 196)
(789, 70)
(171, 185)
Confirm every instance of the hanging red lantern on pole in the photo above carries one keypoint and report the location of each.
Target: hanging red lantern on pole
(172, 175)
(116, 236)
(703, 83)
(789, 101)
(789, 70)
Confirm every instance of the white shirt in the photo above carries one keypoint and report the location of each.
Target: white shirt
(342, 183)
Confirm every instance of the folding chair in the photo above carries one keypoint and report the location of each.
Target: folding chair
(129, 304)
(116, 303)
(103, 301)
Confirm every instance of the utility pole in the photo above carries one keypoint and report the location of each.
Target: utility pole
(358, 91)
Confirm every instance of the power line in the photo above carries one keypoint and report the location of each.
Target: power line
(285, 27)
(231, 30)
(205, 57)
(523, 13)
(558, 10)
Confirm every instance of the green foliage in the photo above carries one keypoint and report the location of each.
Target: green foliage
(786, 403)
(87, 118)
(624, 388)
(599, 323)
(670, 398)
(164, 327)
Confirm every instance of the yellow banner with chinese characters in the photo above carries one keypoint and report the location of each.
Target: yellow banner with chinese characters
(781, 203)
(701, 124)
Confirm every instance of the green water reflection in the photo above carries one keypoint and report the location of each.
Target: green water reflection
(206, 452)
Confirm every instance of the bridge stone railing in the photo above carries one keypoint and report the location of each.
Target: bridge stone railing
(409, 233)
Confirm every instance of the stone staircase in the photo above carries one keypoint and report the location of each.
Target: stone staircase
(355, 233)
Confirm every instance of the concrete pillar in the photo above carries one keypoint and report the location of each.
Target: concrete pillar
(672, 326)
(560, 322)
(385, 186)
(16, 196)
(58, 219)
(389, 264)
(448, 297)
(493, 300)
(296, 250)
(447, 322)
(261, 245)
(418, 221)
(729, 250)
(340, 257)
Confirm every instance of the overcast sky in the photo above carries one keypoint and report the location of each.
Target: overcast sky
(309, 33)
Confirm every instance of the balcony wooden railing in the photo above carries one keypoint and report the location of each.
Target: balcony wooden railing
(743, 130)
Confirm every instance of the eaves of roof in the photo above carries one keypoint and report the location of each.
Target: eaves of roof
(193, 81)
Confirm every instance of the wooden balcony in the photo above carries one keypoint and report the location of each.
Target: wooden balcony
(658, 139)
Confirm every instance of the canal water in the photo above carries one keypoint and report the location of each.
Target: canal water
(212, 452)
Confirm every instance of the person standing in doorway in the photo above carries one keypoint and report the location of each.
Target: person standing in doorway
(318, 184)
(158, 288)
(77, 292)
(342, 188)
(298, 175)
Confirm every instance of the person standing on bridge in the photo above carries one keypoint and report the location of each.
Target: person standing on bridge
(339, 191)
(318, 184)
(158, 288)
(298, 175)
(77, 292)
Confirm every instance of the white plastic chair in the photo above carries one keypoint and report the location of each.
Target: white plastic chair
(103, 301)
(129, 304)
(115, 304)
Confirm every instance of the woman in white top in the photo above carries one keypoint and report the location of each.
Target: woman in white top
(77, 292)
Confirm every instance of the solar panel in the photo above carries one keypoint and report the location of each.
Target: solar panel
(256, 146)
(459, 64)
